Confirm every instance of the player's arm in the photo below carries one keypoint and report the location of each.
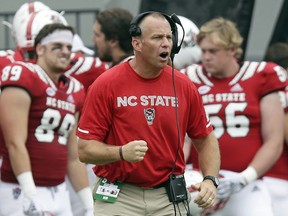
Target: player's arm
(284, 101)
(76, 169)
(15, 104)
(272, 131)
(14, 114)
(77, 173)
(14, 110)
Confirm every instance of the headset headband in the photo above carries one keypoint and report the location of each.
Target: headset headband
(135, 30)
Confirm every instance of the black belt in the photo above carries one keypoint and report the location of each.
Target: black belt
(163, 184)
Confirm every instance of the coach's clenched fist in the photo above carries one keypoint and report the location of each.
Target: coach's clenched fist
(133, 151)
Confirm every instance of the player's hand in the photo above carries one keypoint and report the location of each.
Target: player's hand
(33, 207)
(230, 183)
(89, 212)
(134, 151)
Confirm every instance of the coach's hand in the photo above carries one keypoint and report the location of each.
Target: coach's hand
(207, 193)
(230, 183)
(134, 151)
(32, 206)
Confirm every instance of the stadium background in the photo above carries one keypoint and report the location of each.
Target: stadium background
(261, 22)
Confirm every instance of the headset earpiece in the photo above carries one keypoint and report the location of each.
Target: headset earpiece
(135, 30)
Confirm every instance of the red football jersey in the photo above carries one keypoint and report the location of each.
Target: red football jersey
(232, 105)
(10, 56)
(86, 69)
(51, 118)
(122, 106)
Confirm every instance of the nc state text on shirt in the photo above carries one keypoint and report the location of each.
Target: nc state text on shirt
(146, 100)
(224, 97)
(60, 104)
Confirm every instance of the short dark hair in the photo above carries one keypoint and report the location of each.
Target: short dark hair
(115, 23)
(50, 28)
(278, 53)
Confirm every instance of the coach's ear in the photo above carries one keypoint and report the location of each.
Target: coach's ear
(137, 44)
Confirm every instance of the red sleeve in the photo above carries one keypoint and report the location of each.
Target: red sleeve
(86, 69)
(19, 75)
(97, 101)
(277, 78)
(201, 126)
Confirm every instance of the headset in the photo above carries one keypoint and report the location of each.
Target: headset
(135, 30)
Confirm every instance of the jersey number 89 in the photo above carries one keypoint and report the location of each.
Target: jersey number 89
(51, 119)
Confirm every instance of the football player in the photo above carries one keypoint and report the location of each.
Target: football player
(276, 179)
(111, 35)
(39, 110)
(242, 102)
(8, 56)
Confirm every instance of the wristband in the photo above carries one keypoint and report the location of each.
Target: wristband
(249, 174)
(85, 195)
(27, 184)
(121, 153)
